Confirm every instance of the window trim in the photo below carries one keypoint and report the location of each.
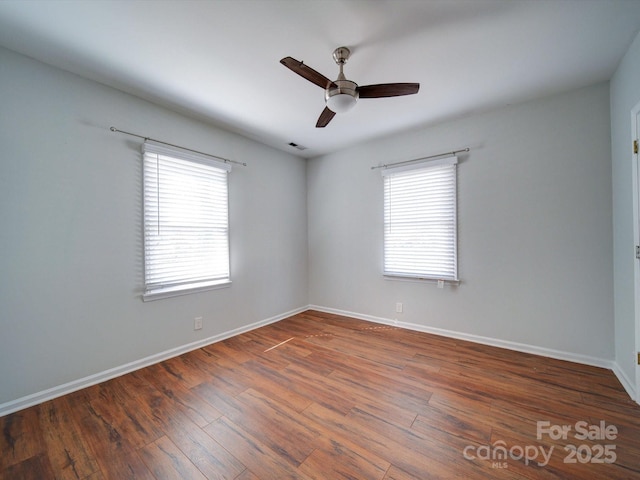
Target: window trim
(157, 292)
(406, 276)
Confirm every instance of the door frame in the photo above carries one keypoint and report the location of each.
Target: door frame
(635, 135)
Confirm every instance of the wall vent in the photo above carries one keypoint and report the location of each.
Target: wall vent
(299, 147)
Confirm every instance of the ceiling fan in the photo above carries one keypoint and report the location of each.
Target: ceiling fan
(341, 94)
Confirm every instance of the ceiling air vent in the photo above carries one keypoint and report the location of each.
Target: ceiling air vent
(299, 147)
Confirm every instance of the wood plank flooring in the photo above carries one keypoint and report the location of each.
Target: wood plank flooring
(319, 396)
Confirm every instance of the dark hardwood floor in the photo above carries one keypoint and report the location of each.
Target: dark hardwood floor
(319, 396)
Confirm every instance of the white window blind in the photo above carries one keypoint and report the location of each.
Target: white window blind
(186, 221)
(420, 220)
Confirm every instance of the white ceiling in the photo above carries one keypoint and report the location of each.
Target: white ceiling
(218, 60)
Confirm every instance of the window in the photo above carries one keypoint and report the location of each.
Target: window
(420, 220)
(186, 222)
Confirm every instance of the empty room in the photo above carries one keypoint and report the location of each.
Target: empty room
(319, 239)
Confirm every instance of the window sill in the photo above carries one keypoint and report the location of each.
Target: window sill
(408, 278)
(168, 292)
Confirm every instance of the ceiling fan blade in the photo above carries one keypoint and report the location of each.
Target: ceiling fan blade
(388, 90)
(306, 72)
(325, 117)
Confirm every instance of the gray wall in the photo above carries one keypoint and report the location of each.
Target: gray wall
(71, 241)
(625, 95)
(534, 217)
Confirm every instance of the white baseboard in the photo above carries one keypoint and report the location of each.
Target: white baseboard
(494, 342)
(60, 390)
(359, 316)
(626, 382)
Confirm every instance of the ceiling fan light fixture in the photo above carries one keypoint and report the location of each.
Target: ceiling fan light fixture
(341, 103)
(342, 97)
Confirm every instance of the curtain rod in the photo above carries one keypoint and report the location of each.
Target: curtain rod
(226, 160)
(421, 158)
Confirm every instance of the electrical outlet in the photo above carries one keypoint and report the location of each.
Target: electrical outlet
(197, 323)
(398, 307)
